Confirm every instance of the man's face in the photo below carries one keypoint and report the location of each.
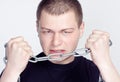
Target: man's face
(58, 34)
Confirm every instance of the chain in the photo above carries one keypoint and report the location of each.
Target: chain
(58, 57)
(76, 53)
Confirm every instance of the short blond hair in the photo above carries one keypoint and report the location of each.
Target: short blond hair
(58, 7)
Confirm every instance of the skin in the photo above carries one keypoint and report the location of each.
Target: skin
(98, 43)
(59, 34)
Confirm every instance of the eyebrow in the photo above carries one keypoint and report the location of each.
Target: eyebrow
(68, 29)
(45, 28)
(61, 29)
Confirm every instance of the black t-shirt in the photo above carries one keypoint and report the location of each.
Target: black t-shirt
(80, 70)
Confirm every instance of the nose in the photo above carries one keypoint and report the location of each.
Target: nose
(57, 40)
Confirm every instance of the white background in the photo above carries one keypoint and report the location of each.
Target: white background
(18, 17)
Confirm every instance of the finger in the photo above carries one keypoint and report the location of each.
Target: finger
(100, 35)
(94, 36)
(16, 39)
(100, 32)
(24, 45)
(89, 42)
(28, 51)
(27, 48)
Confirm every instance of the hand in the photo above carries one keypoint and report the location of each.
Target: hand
(18, 53)
(98, 43)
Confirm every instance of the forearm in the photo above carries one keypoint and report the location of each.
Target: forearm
(9, 76)
(109, 73)
(18, 53)
(98, 43)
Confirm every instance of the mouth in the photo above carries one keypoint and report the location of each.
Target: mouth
(57, 51)
(56, 54)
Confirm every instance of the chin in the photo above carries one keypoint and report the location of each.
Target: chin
(64, 61)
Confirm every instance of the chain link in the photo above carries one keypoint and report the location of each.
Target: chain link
(76, 53)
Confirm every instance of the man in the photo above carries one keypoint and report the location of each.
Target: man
(59, 27)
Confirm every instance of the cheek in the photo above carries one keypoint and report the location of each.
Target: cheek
(72, 42)
(45, 46)
(75, 37)
(45, 42)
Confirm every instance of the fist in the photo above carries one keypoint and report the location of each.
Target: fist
(18, 53)
(98, 43)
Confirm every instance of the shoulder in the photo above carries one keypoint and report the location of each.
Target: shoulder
(90, 68)
(85, 62)
(33, 66)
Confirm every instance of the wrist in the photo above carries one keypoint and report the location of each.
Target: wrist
(9, 75)
(102, 62)
(109, 72)
(12, 70)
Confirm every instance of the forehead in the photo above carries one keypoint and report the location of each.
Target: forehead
(64, 20)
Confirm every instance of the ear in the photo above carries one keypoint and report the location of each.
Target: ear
(81, 28)
(37, 25)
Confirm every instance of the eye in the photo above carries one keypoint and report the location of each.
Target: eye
(67, 31)
(46, 31)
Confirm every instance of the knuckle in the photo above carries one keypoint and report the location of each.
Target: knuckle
(105, 37)
(95, 43)
(14, 45)
(25, 42)
(20, 49)
(106, 34)
(8, 44)
(94, 31)
(19, 37)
